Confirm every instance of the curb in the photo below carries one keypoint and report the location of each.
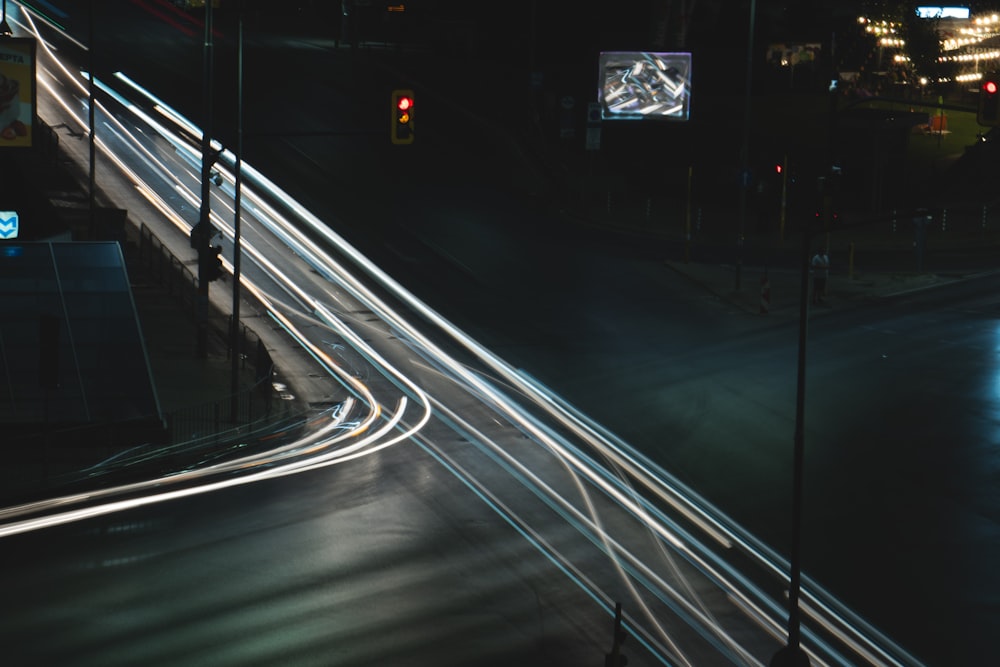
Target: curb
(864, 293)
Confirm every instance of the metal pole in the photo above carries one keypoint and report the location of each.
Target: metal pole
(792, 655)
(532, 35)
(201, 234)
(234, 339)
(92, 124)
(745, 150)
(784, 195)
(5, 30)
(687, 218)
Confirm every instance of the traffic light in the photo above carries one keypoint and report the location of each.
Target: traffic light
(988, 112)
(402, 117)
(212, 267)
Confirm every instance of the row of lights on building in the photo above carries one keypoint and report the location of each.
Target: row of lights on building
(985, 27)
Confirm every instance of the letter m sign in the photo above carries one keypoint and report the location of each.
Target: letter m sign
(8, 224)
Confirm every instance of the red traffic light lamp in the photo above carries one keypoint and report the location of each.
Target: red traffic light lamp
(988, 111)
(403, 104)
(401, 131)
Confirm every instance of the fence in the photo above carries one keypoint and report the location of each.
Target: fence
(229, 417)
(162, 267)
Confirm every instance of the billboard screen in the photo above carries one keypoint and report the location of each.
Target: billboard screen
(943, 12)
(645, 85)
(17, 91)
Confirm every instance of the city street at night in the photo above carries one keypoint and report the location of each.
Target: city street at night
(542, 364)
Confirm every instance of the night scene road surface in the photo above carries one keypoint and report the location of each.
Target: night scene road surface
(520, 409)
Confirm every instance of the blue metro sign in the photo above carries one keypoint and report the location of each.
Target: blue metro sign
(8, 224)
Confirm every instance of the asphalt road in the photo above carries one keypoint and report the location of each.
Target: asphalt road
(530, 492)
(902, 395)
(357, 564)
(901, 416)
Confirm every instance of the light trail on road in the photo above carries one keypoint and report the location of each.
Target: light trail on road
(622, 478)
(321, 447)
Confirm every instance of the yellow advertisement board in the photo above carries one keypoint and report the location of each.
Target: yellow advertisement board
(17, 91)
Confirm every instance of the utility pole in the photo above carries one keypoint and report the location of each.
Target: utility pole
(202, 232)
(792, 654)
(745, 149)
(92, 103)
(234, 336)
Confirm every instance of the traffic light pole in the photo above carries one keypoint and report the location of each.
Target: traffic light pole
(235, 349)
(202, 232)
(91, 116)
(792, 654)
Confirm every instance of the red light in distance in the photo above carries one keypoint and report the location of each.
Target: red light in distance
(405, 103)
(991, 87)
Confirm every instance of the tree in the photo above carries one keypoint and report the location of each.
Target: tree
(923, 44)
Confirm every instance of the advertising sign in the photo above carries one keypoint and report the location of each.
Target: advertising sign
(17, 91)
(788, 55)
(645, 85)
(943, 12)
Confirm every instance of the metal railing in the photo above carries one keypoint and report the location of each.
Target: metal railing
(226, 418)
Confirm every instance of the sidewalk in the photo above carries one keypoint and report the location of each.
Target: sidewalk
(779, 302)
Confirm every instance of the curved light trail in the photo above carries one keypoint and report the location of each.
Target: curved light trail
(604, 471)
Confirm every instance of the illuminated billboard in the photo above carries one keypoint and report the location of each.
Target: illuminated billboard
(17, 91)
(645, 85)
(943, 12)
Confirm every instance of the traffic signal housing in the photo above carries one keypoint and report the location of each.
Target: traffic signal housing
(988, 112)
(402, 117)
(211, 268)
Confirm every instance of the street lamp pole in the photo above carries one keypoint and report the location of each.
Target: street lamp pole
(91, 104)
(5, 30)
(234, 339)
(792, 655)
(745, 149)
(202, 232)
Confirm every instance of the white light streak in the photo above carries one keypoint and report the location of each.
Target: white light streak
(379, 428)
